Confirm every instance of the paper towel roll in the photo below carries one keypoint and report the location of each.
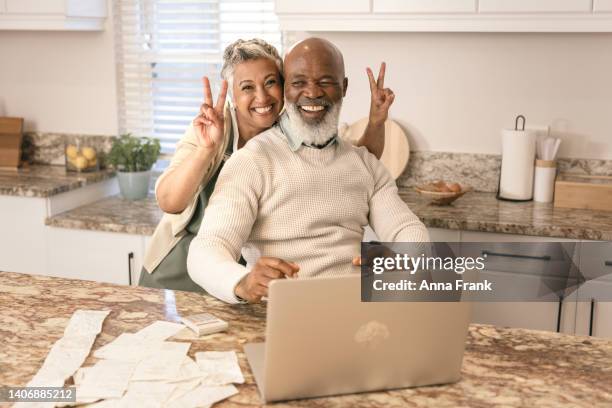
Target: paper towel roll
(518, 156)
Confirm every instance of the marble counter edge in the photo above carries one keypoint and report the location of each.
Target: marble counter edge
(132, 229)
(64, 184)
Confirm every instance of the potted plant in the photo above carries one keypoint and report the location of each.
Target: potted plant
(133, 158)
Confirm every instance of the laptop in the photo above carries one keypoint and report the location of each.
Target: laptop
(321, 340)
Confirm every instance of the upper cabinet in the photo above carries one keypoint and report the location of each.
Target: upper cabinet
(424, 6)
(79, 15)
(446, 15)
(535, 6)
(323, 6)
(602, 6)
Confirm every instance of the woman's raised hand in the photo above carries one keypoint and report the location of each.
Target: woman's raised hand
(382, 97)
(209, 124)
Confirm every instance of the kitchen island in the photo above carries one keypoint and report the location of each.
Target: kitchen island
(501, 367)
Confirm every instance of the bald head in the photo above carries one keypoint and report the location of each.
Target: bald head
(317, 48)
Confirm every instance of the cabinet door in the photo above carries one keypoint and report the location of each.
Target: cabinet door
(525, 315)
(2, 6)
(22, 234)
(424, 6)
(534, 6)
(539, 264)
(594, 315)
(35, 6)
(94, 255)
(602, 6)
(322, 6)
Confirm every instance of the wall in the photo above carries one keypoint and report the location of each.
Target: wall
(59, 81)
(455, 91)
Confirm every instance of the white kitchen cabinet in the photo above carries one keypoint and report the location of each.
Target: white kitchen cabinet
(594, 309)
(2, 6)
(100, 256)
(424, 6)
(322, 6)
(529, 315)
(446, 15)
(79, 15)
(602, 6)
(22, 220)
(534, 6)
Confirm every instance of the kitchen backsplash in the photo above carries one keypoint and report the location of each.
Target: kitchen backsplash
(48, 148)
(481, 171)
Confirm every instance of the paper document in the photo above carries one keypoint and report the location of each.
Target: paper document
(219, 367)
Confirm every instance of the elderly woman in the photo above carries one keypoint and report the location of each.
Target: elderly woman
(253, 70)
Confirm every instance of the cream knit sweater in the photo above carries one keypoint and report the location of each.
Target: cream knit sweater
(309, 207)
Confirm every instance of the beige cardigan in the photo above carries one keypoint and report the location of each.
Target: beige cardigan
(171, 228)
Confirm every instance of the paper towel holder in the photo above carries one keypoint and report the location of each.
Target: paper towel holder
(499, 197)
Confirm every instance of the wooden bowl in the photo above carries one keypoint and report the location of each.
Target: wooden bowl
(440, 197)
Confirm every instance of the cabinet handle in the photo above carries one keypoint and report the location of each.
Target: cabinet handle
(608, 263)
(540, 258)
(559, 314)
(130, 259)
(591, 317)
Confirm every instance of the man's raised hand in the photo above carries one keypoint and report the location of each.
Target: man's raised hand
(381, 97)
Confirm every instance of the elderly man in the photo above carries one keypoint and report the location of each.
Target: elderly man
(296, 198)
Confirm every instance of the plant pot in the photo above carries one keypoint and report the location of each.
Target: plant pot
(134, 185)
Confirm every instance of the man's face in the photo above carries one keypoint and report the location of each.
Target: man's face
(314, 83)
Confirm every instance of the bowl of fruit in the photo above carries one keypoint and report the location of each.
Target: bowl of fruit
(81, 158)
(442, 192)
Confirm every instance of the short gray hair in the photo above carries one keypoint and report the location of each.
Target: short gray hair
(244, 50)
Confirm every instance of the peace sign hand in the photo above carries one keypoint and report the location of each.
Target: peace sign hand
(382, 97)
(209, 124)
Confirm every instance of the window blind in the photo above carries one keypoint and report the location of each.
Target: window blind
(164, 47)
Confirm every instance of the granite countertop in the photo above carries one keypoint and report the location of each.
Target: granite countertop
(474, 211)
(46, 180)
(113, 214)
(477, 211)
(501, 367)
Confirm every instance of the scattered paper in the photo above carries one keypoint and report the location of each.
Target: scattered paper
(147, 394)
(164, 364)
(219, 367)
(68, 353)
(159, 330)
(203, 396)
(128, 347)
(106, 379)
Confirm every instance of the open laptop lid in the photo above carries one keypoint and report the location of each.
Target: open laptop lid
(322, 340)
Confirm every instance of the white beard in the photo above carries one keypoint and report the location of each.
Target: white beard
(313, 134)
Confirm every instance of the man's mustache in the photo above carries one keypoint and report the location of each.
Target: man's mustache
(313, 102)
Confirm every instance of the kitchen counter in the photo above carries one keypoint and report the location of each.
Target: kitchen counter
(477, 211)
(46, 180)
(474, 211)
(112, 214)
(502, 367)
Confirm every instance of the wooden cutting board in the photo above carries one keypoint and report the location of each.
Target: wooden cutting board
(584, 192)
(397, 150)
(11, 133)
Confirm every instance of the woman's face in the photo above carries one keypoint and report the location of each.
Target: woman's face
(257, 94)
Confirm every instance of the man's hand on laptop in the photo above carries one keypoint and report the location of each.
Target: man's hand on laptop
(254, 285)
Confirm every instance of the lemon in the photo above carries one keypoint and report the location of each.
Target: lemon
(89, 153)
(80, 162)
(92, 162)
(72, 151)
